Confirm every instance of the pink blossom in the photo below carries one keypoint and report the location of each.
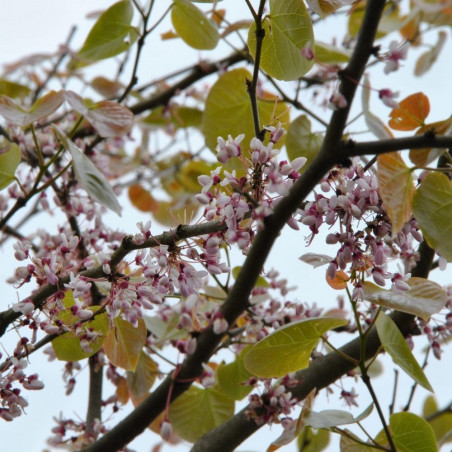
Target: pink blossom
(388, 96)
(229, 148)
(337, 101)
(396, 53)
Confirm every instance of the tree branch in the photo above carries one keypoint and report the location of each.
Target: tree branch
(321, 373)
(427, 140)
(171, 237)
(237, 299)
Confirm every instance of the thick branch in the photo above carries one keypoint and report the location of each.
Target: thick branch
(321, 373)
(427, 140)
(199, 71)
(237, 300)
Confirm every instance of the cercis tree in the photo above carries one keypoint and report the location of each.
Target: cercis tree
(222, 154)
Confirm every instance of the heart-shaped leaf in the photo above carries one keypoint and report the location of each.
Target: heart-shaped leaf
(300, 141)
(432, 207)
(395, 185)
(110, 119)
(289, 348)
(228, 110)
(288, 29)
(42, 108)
(424, 298)
(411, 112)
(193, 26)
(124, 343)
(111, 35)
(9, 161)
(198, 411)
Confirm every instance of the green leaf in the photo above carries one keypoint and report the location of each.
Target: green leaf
(231, 377)
(181, 117)
(288, 29)
(432, 207)
(192, 25)
(13, 89)
(111, 35)
(289, 348)
(329, 54)
(442, 424)
(395, 344)
(124, 343)
(228, 110)
(349, 443)
(67, 346)
(88, 176)
(198, 411)
(308, 441)
(42, 108)
(9, 161)
(411, 433)
(301, 142)
(424, 298)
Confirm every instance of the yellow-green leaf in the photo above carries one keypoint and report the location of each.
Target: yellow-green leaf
(180, 117)
(193, 26)
(411, 433)
(395, 344)
(124, 343)
(140, 381)
(288, 29)
(301, 142)
(308, 441)
(9, 161)
(351, 443)
(432, 207)
(67, 346)
(111, 35)
(442, 424)
(232, 378)
(198, 411)
(424, 298)
(228, 110)
(395, 185)
(289, 348)
(329, 54)
(13, 89)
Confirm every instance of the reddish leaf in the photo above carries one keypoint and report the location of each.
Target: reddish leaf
(422, 157)
(142, 199)
(410, 113)
(339, 282)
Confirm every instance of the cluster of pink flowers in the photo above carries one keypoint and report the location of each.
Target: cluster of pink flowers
(365, 253)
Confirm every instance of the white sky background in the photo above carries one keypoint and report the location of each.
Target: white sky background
(29, 26)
